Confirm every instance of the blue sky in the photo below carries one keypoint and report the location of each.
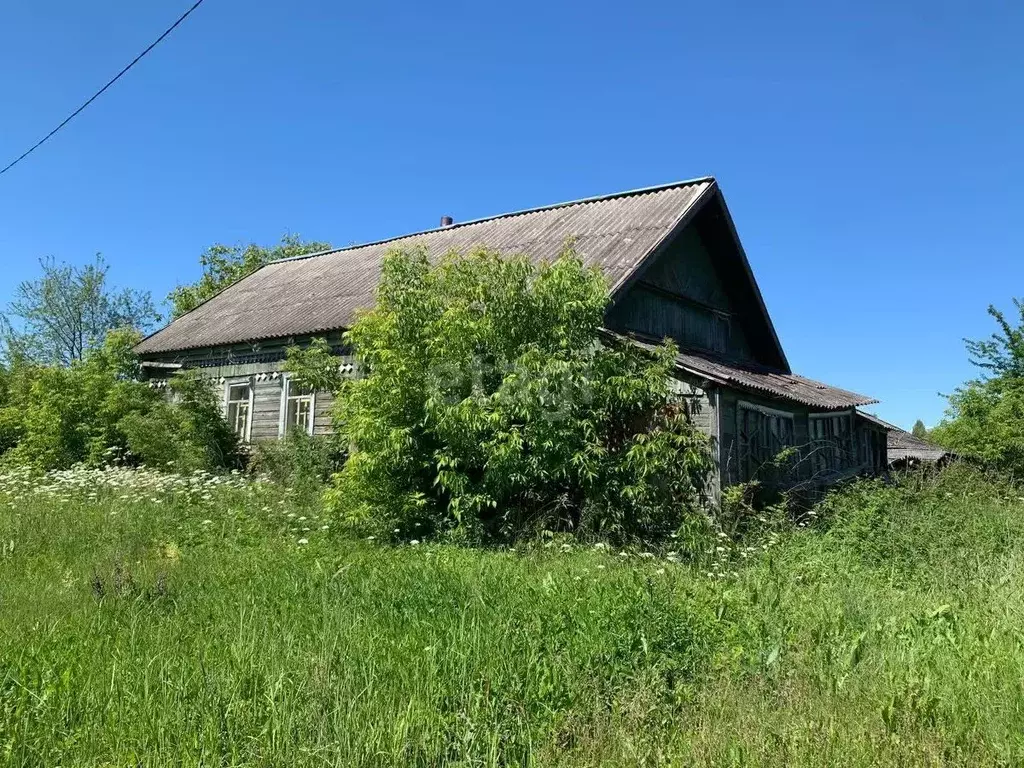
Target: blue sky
(870, 152)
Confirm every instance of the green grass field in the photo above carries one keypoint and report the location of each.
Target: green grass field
(158, 620)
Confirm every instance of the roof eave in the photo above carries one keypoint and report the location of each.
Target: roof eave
(682, 221)
(770, 394)
(750, 276)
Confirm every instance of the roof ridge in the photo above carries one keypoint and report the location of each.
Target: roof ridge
(508, 215)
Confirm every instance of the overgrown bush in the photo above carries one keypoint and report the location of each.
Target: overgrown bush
(56, 416)
(488, 408)
(919, 522)
(95, 412)
(301, 462)
(186, 434)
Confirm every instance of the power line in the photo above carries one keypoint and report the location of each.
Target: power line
(96, 95)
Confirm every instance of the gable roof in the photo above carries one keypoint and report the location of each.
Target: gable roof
(617, 233)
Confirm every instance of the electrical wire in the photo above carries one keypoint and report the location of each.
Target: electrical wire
(96, 95)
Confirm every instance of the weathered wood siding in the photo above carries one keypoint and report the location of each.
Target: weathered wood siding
(701, 404)
(853, 459)
(262, 365)
(683, 297)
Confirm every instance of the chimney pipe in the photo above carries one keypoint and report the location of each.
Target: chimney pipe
(446, 221)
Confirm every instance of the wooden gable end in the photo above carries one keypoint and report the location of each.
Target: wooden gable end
(698, 290)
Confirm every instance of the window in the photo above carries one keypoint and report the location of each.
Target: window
(298, 404)
(238, 408)
(831, 442)
(763, 433)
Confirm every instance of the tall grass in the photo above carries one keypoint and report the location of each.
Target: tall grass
(152, 620)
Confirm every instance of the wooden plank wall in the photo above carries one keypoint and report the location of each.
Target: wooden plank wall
(230, 364)
(702, 412)
(682, 296)
(729, 405)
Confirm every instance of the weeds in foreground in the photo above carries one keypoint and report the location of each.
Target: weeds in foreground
(152, 619)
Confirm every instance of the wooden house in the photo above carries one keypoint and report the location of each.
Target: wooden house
(676, 269)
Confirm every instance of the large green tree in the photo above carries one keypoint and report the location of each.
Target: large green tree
(68, 310)
(225, 264)
(487, 406)
(985, 417)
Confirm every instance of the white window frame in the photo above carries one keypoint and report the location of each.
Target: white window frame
(240, 382)
(282, 424)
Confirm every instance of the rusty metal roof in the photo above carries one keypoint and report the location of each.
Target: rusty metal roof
(321, 292)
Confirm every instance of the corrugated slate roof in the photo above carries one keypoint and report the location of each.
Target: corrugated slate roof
(321, 292)
(787, 386)
(903, 445)
(763, 381)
